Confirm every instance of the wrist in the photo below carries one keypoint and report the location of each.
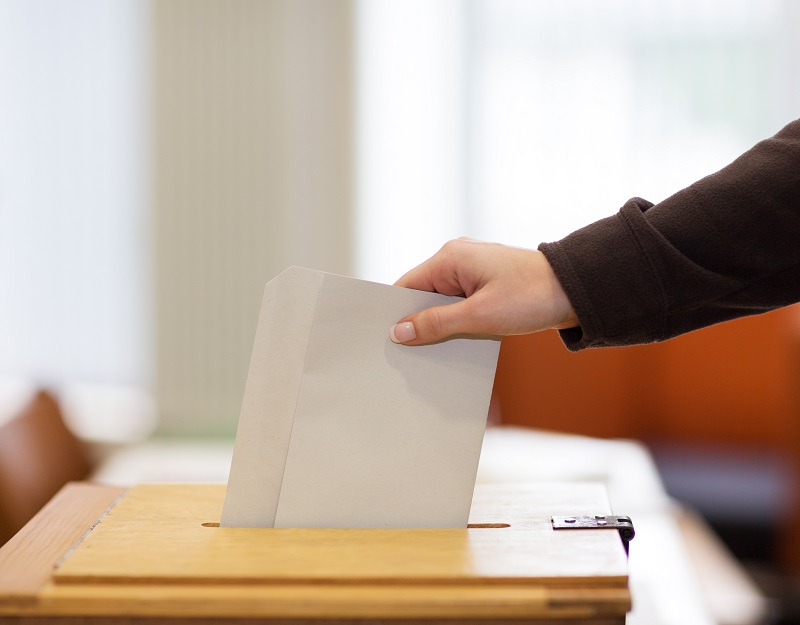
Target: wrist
(564, 314)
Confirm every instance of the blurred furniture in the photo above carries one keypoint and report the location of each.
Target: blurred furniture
(729, 387)
(38, 455)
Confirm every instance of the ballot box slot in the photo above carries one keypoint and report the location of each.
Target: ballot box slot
(471, 526)
(477, 526)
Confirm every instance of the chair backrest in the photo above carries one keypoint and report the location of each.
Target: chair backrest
(38, 455)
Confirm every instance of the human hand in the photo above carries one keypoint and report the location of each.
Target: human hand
(509, 290)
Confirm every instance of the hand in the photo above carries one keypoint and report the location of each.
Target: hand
(509, 290)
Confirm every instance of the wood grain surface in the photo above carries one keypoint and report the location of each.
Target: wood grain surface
(156, 535)
(151, 556)
(28, 559)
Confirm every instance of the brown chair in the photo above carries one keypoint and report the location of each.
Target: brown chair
(38, 455)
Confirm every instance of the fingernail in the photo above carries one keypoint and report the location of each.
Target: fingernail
(402, 332)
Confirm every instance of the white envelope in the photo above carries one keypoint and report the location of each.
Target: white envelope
(341, 427)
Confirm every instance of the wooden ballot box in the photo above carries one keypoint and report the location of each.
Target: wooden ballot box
(156, 554)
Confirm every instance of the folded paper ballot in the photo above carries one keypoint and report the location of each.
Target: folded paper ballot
(340, 427)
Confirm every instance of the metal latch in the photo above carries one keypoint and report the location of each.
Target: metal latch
(597, 522)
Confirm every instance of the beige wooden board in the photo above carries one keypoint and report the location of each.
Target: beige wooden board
(151, 556)
(357, 602)
(27, 560)
(155, 534)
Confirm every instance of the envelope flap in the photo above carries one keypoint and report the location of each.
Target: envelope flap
(270, 398)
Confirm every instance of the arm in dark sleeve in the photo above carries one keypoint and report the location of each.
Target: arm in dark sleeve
(725, 247)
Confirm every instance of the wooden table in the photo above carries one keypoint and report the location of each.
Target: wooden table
(154, 553)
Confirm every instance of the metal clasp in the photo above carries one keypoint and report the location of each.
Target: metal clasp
(600, 521)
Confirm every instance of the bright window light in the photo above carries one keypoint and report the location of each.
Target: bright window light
(519, 121)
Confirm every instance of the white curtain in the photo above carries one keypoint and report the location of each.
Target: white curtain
(74, 133)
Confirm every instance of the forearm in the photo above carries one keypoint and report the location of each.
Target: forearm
(725, 247)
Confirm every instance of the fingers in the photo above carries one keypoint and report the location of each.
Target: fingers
(422, 276)
(417, 278)
(447, 271)
(431, 276)
(508, 291)
(403, 332)
(435, 324)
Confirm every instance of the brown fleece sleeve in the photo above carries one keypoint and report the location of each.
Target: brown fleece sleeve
(725, 247)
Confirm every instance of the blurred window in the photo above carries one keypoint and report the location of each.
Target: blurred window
(520, 121)
(74, 141)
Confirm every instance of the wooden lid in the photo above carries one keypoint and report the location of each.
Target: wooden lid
(158, 551)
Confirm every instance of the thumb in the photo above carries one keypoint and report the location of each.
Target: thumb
(433, 324)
